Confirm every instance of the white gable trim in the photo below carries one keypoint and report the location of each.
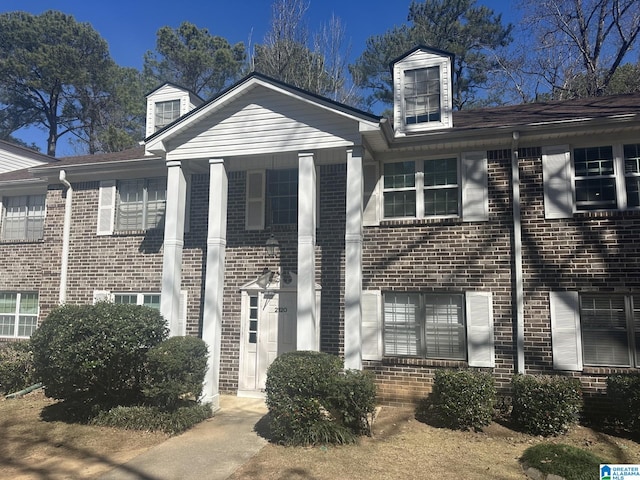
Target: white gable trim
(155, 142)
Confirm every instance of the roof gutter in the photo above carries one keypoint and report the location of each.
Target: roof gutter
(66, 237)
(518, 285)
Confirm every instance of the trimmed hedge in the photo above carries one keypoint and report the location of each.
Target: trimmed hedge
(546, 405)
(623, 395)
(463, 399)
(96, 353)
(175, 371)
(312, 401)
(16, 367)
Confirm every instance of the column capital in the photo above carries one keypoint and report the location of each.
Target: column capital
(173, 163)
(214, 161)
(305, 154)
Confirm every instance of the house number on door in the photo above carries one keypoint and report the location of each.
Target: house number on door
(280, 310)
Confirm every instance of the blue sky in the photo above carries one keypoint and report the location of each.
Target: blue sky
(130, 27)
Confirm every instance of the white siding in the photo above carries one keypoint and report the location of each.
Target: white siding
(263, 122)
(14, 159)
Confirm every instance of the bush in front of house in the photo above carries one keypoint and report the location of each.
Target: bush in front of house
(96, 354)
(16, 367)
(152, 419)
(545, 405)
(175, 371)
(623, 397)
(312, 401)
(463, 399)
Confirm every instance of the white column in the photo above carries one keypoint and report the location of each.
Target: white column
(353, 262)
(173, 243)
(214, 280)
(306, 328)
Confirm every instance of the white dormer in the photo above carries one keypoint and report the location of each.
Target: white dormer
(422, 96)
(167, 103)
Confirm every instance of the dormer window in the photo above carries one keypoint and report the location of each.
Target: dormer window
(422, 99)
(166, 112)
(422, 95)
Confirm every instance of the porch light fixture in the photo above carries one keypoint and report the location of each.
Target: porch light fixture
(273, 247)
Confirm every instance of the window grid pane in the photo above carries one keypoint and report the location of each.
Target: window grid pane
(126, 298)
(604, 330)
(400, 189)
(444, 331)
(282, 195)
(152, 301)
(140, 204)
(18, 314)
(166, 112)
(441, 187)
(23, 217)
(636, 326)
(402, 334)
(632, 174)
(595, 179)
(422, 95)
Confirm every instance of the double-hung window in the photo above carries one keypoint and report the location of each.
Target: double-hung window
(424, 325)
(607, 177)
(18, 314)
(166, 112)
(23, 217)
(610, 330)
(147, 299)
(282, 197)
(140, 204)
(424, 188)
(422, 95)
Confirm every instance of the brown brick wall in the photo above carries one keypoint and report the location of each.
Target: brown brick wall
(445, 255)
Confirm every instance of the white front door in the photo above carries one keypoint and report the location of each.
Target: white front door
(268, 330)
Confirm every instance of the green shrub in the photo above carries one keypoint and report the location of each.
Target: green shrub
(623, 395)
(96, 353)
(311, 400)
(16, 367)
(545, 405)
(463, 399)
(565, 461)
(175, 370)
(153, 418)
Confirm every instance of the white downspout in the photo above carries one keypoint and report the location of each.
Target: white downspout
(517, 254)
(66, 237)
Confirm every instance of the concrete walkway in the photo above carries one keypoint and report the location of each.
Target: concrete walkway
(212, 450)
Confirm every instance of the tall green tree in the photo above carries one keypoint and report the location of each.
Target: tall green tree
(112, 108)
(575, 47)
(461, 27)
(193, 58)
(45, 60)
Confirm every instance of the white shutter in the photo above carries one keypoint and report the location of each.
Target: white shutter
(556, 178)
(371, 200)
(255, 200)
(182, 314)
(1, 217)
(187, 205)
(566, 341)
(475, 187)
(106, 207)
(371, 325)
(102, 296)
(480, 337)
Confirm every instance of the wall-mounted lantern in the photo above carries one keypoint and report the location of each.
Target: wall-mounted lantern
(273, 247)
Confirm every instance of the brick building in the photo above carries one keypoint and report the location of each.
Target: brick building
(269, 219)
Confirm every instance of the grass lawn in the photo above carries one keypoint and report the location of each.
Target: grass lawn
(401, 448)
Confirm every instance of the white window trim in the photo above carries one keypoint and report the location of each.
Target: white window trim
(17, 315)
(419, 188)
(3, 211)
(445, 100)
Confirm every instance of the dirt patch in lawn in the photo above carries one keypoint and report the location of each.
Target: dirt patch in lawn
(402, 447)
(31, 448)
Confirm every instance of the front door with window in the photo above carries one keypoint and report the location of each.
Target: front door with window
(268, 330)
